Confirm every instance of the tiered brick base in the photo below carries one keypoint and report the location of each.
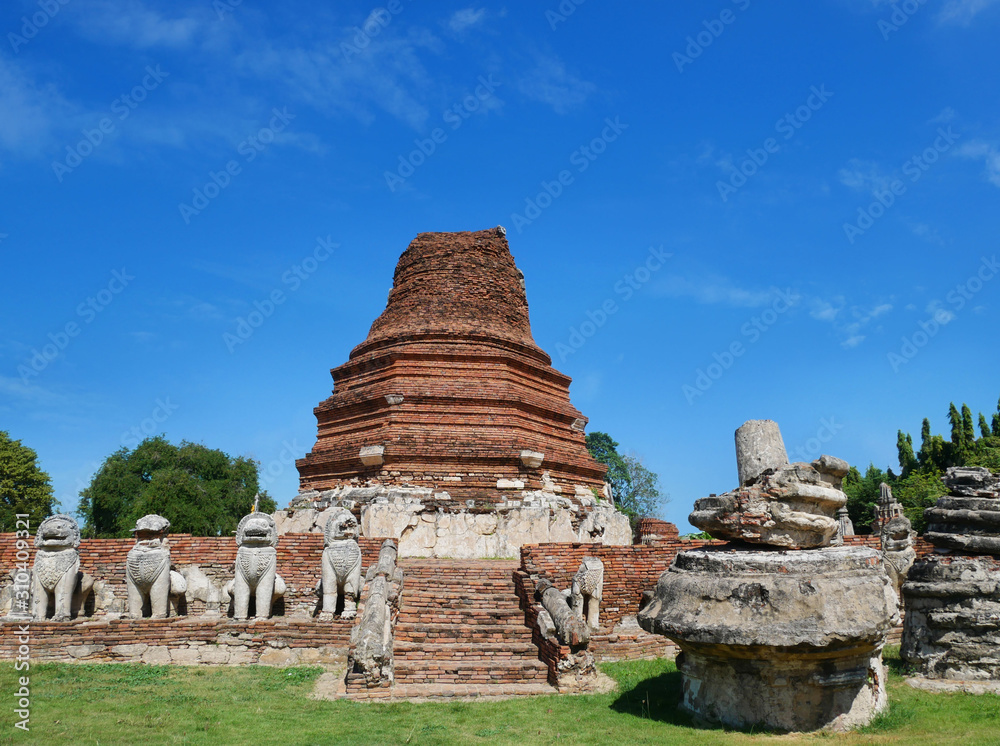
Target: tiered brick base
(461, 632)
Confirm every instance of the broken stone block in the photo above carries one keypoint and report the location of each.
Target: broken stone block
(790, 641)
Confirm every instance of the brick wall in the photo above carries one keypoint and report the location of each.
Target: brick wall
(299, 563)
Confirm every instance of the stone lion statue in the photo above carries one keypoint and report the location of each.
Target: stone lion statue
(56, 575)
(148, 576)
(341, 563)
(256, 565)
(587, 590)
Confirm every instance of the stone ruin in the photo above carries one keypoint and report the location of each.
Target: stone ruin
(371, 659)
(896, 536)
(57, 583)
(777, 628)
(341, 583)
(952, 625)
(448, 429)
(149, 578)
(255, 574)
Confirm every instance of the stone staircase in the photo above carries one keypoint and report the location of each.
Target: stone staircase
(461, 632)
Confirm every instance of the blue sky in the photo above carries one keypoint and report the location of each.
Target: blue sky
(726, 210)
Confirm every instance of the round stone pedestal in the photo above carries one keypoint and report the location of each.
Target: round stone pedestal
(788, 640)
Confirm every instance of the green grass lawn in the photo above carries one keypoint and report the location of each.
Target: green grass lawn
(149, 705)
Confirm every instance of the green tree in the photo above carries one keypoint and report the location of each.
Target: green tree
(641, 496)
(635, 488)
(917, 491)
(604, 449)
(862, 495)
(24, 487)
(984, 427)
(904, 447)
(201, 491)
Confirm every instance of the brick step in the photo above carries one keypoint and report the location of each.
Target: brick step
(447, 613)
(470, 673)
(465, 630)
(459, 651)
(420, 692)
(500, 603)
(437, 594)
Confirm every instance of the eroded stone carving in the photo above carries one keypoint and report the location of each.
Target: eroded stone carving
(56, 575)
(898, 553)
(371, 655)
(587, 591)
(256, 565)
(148, 577)
(570, 629)
(341, 563)
(793, 506)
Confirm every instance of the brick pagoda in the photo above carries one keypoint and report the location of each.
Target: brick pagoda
(449, 400)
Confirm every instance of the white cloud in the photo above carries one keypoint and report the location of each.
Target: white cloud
(30, 114)
(550, 83)
(963, 11)
(981, 150)
(848, 321)
(132, 23)
(864, 176)
(714, 291)
(941, 315)
(465, 19)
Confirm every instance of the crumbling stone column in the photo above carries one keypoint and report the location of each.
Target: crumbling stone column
(952, 625)
(789, 640)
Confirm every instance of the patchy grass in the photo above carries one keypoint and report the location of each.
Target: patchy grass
(152, 705)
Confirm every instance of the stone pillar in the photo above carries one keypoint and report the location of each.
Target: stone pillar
(758, 447)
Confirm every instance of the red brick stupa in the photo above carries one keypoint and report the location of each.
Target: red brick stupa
(450, 408)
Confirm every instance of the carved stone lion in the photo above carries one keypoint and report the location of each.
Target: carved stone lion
(341, 563)
(256, 564)
(147, 569)
(56, 572)
(587, 590)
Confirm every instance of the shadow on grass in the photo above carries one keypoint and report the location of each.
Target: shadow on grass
(655, 698)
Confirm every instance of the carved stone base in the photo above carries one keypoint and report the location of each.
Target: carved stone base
(412, 517)
(788, 640)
